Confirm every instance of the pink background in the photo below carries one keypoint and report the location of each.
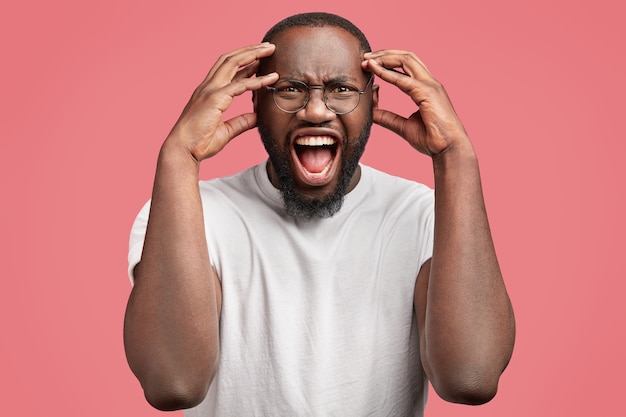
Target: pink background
(90, 89)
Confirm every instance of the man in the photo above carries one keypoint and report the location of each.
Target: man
(310, 284)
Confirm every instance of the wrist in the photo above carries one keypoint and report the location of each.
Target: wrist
(174, 156)
(459, 151)
(456, 155)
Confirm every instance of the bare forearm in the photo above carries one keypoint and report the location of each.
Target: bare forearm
(462, 308)
(172, 320)
(469, 326)
(171, 326)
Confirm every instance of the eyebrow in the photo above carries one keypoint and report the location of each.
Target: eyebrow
(334, 80)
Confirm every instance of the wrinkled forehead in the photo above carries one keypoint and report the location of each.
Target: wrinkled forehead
(314, 53)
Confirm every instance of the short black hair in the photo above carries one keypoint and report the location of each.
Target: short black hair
(318, 19)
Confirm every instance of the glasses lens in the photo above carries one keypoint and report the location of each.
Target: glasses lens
(290, 95)
(342, 98)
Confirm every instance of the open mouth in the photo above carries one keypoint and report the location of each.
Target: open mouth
(316, 156)
(316, 153)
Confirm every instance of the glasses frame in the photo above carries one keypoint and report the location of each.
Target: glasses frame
(308, 95)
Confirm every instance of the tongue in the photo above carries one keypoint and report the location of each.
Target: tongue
(315, 158)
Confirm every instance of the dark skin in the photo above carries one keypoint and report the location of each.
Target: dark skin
(327, 62)
(464, 315)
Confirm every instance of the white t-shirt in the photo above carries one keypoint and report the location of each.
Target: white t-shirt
(317, 316)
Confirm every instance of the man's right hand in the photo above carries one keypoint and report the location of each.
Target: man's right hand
(200, 129)
(171, 327)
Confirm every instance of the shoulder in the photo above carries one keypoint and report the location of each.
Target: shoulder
(230, 183)
(242, 194)
(245, 186)
(384, 198)
(394, 187)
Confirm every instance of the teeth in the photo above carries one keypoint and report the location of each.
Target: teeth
(315, 141)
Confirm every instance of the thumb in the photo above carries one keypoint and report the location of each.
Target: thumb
(239, 124)
(389, 120)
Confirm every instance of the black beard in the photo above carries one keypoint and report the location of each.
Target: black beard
(297, 204)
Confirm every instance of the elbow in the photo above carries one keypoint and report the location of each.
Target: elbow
(169, 391)
(170, 385)
(469, 379)
(473, 388)
(468, 394)
(175, 395)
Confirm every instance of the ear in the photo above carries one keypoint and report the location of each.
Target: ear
(255, 100)
(375, 90)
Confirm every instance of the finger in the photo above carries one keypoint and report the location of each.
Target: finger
(221, 99)
(248, 71)
(239, 124)
(241, 85)
(402, 64)
(408, 63)
(228, 64)
(397, 52)
(227, 56)
(225, 133)
(418, 89)
(402, 80)
(389, 120)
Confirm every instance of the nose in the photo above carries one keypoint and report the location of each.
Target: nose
(315, 110)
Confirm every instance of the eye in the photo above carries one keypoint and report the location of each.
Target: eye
(290, 90)
(341, 90)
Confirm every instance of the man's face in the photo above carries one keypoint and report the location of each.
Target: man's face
(314, 152)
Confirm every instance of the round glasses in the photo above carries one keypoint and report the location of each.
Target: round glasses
(291, 96)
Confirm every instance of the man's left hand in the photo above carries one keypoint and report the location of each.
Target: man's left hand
(435, 126)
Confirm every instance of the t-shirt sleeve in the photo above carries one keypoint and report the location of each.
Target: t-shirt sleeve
(426, 226)
(137, 236)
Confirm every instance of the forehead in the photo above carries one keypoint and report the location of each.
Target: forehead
(317, 54)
